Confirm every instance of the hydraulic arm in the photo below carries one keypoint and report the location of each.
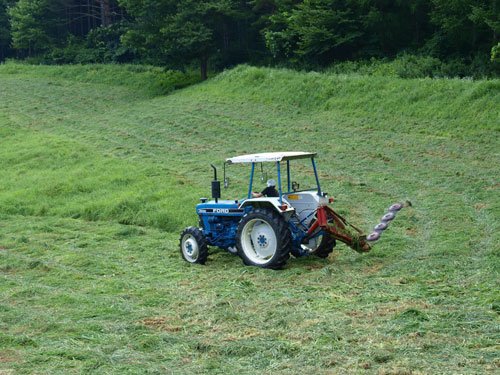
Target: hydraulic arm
(340, 229)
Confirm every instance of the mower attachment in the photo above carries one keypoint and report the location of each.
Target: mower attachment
(336, 227)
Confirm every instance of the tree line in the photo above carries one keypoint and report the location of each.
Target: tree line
(221, 33)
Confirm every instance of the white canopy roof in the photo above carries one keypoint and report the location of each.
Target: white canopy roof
(270, 156)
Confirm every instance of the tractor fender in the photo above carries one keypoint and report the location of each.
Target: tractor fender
(272, 203)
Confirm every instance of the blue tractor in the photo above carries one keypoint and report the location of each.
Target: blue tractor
(263, 231)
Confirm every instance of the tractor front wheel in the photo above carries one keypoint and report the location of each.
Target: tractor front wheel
(193, 246)
(263, 239)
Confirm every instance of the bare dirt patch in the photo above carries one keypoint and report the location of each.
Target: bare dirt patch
(9, 356)
(162, 323)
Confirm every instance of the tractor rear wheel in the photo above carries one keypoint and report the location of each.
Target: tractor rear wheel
(263, 239)
(193, 246)
(326, 246)
(321, 247)
(327, 243)
(232, 250)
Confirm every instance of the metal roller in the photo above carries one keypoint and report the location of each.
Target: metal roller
(388, 217)
(380, 227)
(396, 207)
(372, 237)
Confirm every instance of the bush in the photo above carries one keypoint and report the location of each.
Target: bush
(101, 45)
(171, 80)
(411, 66)
(75, 52)
(106, 40)
(495, 52)
(363, 67)
(415, 66)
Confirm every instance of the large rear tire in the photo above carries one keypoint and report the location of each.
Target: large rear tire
(193, 246)
(327, 243)
(307, 248)
(326, 246)
(263, 239)
(321, 247)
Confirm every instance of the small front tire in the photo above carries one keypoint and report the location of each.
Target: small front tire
(193, 246)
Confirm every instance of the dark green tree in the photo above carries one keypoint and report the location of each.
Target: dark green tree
(190, 32)
(35, 25)
(455, 32)
(5, 33)
(179, 32)
(487, 13)
(315, 31)
(392, 26)
(42, 26)
(144, 36)
(305, 33)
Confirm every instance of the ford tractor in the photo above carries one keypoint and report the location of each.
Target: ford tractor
(263, 231)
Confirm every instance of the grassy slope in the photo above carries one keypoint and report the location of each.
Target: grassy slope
(81, 291)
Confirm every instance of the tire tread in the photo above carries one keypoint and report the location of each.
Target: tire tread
(283, 233)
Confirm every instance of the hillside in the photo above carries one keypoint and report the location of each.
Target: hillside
(100, 175)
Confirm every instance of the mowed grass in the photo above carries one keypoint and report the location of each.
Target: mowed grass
(98, 180)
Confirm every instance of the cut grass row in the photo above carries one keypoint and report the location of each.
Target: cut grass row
(56, 176)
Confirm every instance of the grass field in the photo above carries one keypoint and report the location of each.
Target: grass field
(99, 176)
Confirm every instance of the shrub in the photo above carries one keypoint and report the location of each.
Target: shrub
(411, 66)
(171, 80)
(495, 52)
(415, 66)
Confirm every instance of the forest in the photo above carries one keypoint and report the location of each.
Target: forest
(211, 35)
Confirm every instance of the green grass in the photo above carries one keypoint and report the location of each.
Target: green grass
(99, 176)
